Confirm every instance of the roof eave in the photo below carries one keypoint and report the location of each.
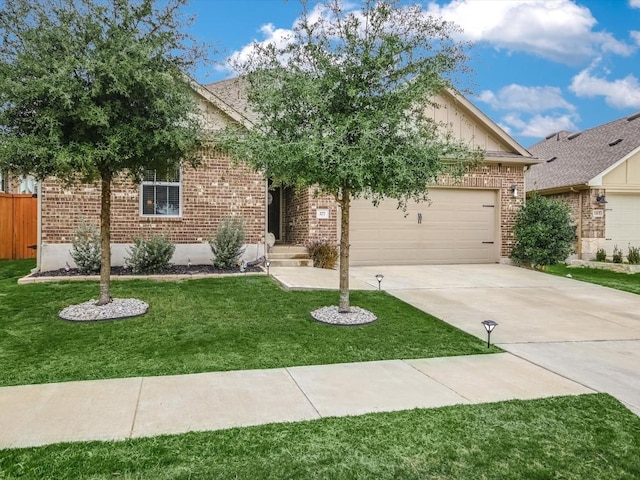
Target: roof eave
(475, 111)
(220, 104)
(597, 180)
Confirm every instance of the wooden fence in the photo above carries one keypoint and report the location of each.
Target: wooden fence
(18, 226)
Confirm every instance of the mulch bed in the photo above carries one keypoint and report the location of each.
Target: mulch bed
(172, 270)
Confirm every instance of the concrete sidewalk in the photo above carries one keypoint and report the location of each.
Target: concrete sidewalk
(118, 409)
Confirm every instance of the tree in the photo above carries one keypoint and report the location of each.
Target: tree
(91, 89)
(342, 105)
(543, 232)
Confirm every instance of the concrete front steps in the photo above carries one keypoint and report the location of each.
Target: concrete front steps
(289, 256)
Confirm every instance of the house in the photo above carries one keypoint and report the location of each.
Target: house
(597, 173)
(467, 221)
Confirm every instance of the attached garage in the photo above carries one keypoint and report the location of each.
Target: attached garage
(457, 226)
(622, 221)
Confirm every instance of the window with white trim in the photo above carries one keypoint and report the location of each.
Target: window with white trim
(161, 195)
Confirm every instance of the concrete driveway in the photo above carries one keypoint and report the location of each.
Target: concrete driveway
(585, 332)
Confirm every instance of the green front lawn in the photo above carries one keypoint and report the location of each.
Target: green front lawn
(620, 281)
(575, 438)
(202, 325)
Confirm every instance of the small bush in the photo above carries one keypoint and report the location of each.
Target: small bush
(617, 255)
(543, 233)
(323, 254)
(149, 256)
(601, 255)
(86, 251)
(633, 257)
(227, 246)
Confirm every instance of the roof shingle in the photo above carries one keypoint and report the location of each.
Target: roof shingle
(575, 158)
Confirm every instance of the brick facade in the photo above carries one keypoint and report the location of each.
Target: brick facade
(302, 225)
(590, 226)
(216, 189)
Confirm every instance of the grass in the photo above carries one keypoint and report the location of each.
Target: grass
(585, 437)
(194, 326)
(620, 281)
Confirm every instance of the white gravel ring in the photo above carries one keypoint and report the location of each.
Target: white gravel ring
(330, 315)
(117, 309)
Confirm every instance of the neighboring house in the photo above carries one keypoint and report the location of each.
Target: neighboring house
(23, 184)
(597, 173)
(18, 216)
(467, 221)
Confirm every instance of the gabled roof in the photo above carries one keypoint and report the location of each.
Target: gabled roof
(517, 149)
(225, 105)
(571, 159)
(232, 92)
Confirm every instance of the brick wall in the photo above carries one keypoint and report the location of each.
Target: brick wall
(216, 189)
(590, 228)
(296, 214)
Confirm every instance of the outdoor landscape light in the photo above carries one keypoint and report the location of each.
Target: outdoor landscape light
(379, 277)
(489, 325)
(268, 264)
(514, 190)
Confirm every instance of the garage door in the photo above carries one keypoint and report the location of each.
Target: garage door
(458, 226)
(622, 222)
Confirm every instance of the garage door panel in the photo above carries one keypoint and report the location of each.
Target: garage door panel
(622, 222)
(457, 227)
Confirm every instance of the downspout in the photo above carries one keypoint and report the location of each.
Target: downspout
(580, 210)
(265, 244)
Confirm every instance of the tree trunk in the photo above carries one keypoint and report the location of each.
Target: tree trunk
(105, 239)
(345, 202)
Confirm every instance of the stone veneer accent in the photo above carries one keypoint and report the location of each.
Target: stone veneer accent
(589, 229)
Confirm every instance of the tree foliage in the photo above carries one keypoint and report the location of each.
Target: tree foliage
(343, 104)
(543, 232)
(90, 89)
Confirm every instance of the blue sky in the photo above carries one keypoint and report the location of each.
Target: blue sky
(539, 65)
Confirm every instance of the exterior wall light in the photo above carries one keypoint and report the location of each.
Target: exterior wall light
(601, 199)
(489, 325)
(379, 278)
(514, 190)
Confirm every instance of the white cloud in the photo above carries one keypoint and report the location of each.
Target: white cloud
(620, 93)
(540, 126)
(634, 3)
(526, 99)
(559, 30)
(635, 34)
(278, 37)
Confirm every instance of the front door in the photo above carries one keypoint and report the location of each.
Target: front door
(275, 212)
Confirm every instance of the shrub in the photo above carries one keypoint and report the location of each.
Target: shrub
(633, 257)
(323, 254)
(149, 256)
(543, 232)
(86, 251)
(227, 246)
(616, 257)
(601, 255)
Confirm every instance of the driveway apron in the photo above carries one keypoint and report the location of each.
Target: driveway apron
(585, 332)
